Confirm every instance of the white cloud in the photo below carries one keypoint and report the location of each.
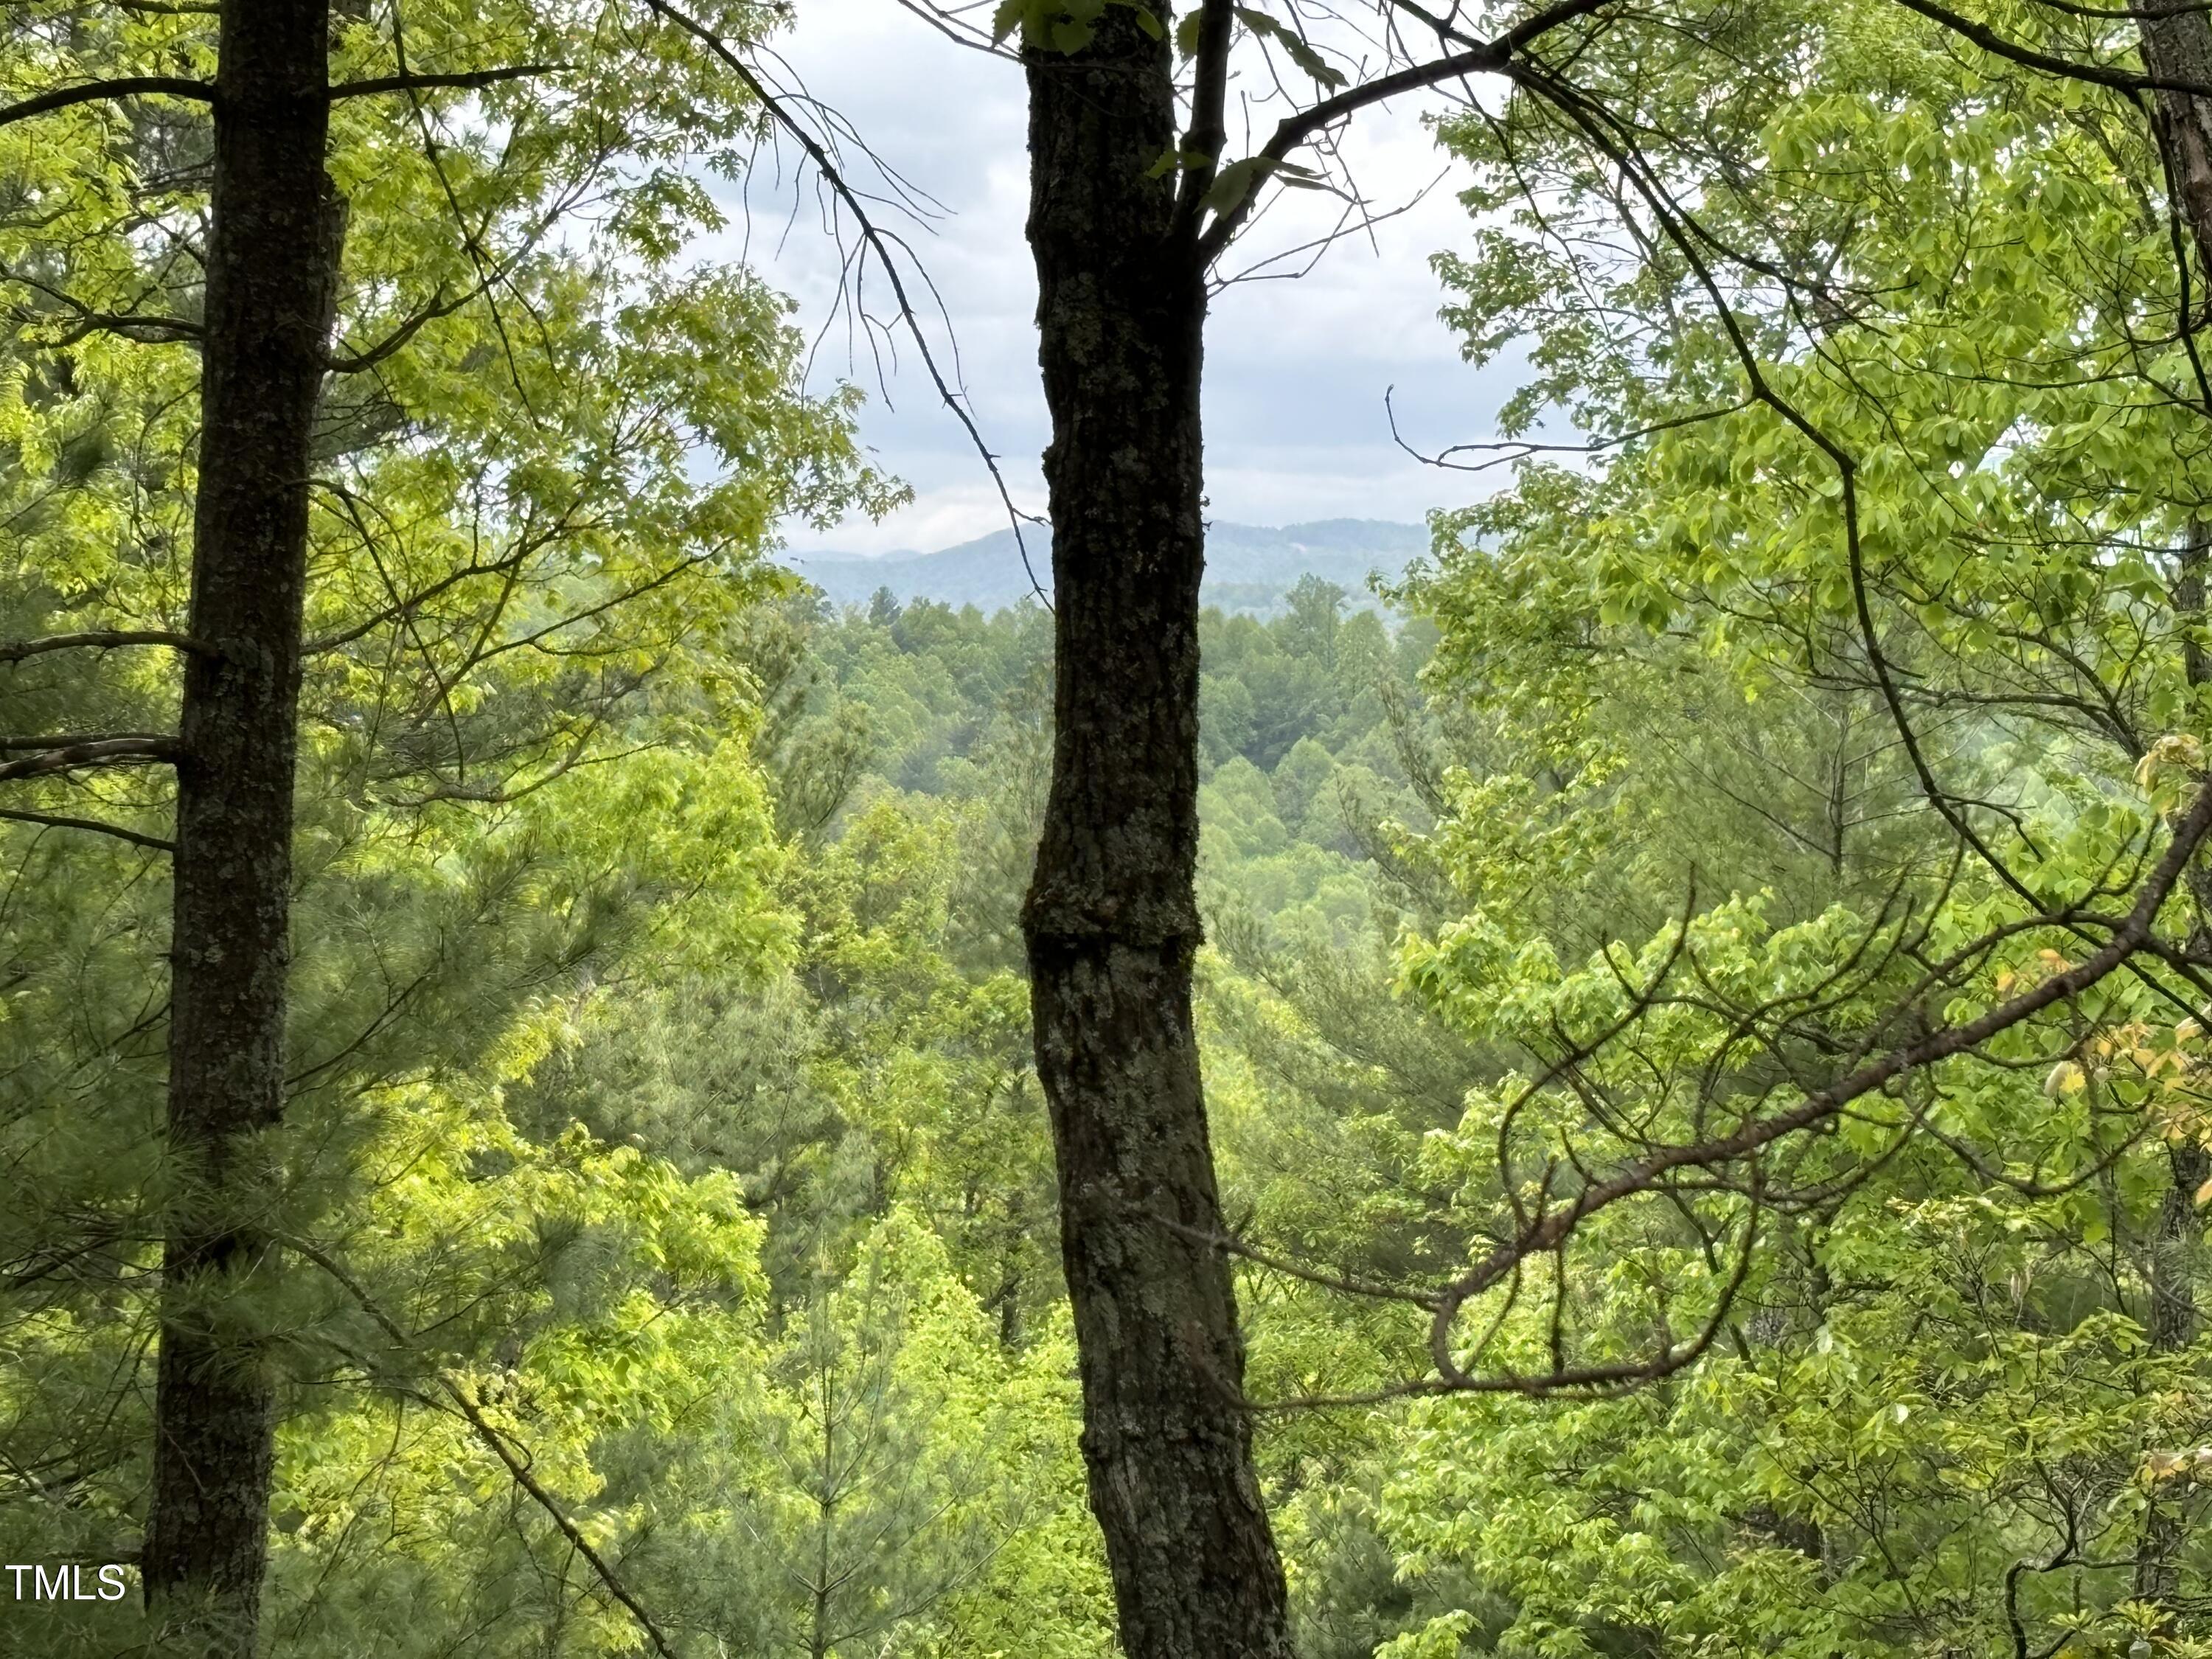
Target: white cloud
(1297, 370)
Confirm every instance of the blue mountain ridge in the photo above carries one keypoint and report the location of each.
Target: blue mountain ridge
(1249, 568)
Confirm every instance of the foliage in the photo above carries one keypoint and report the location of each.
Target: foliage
(664, 1122)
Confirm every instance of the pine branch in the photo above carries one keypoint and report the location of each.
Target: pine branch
(517, 1464)
(55, 821)
(68, 754)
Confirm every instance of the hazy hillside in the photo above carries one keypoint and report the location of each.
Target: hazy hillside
(1248, 566)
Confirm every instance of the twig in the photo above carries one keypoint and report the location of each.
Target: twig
(879, 243)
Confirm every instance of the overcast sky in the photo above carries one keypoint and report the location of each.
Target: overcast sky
(1296, 372)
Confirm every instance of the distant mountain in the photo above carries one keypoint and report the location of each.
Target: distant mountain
(1247, 568)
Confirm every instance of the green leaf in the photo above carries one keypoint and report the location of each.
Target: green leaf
(1312, 63)
(1293, 44)
(1234, 182)
(1172, 159)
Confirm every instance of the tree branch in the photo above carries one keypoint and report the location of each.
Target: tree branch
(68, 754)
(1551, 1229)
(440, 305)
(133, 86)
(464, 1401)
(1489, 58)
(464, 78)
(106, 640)
(1208, 132)
(877, 242)
(145, 331)
(2096, 74)
(55, 820)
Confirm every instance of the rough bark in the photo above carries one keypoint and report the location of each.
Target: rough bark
(2173, 1252)
(2177, 44)
(1111, 919)
(2177, 1241)
(271, 276)
(2174, 1248)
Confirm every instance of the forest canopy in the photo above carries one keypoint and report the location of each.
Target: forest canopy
(1641, 1088)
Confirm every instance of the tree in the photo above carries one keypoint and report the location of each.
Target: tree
(2024, 759)
(279, 414)
(275, 235)
(1112, 915)
(1751, 361)
(273, 253)
(1126, 219)
(884, 1475)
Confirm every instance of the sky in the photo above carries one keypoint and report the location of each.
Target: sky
(1296, 372)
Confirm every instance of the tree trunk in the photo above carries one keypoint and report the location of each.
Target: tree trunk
(2178, 1241)
(1111, 919)
(2179, 46)
(272, 279)
(2176, 46)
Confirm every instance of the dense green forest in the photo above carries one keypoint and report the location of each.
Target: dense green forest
(1640, 1090)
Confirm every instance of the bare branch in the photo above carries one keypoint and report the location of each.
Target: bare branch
(877, 242)
(959, 32)
(464, 79)
(1489, 58)
(1511, 451)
